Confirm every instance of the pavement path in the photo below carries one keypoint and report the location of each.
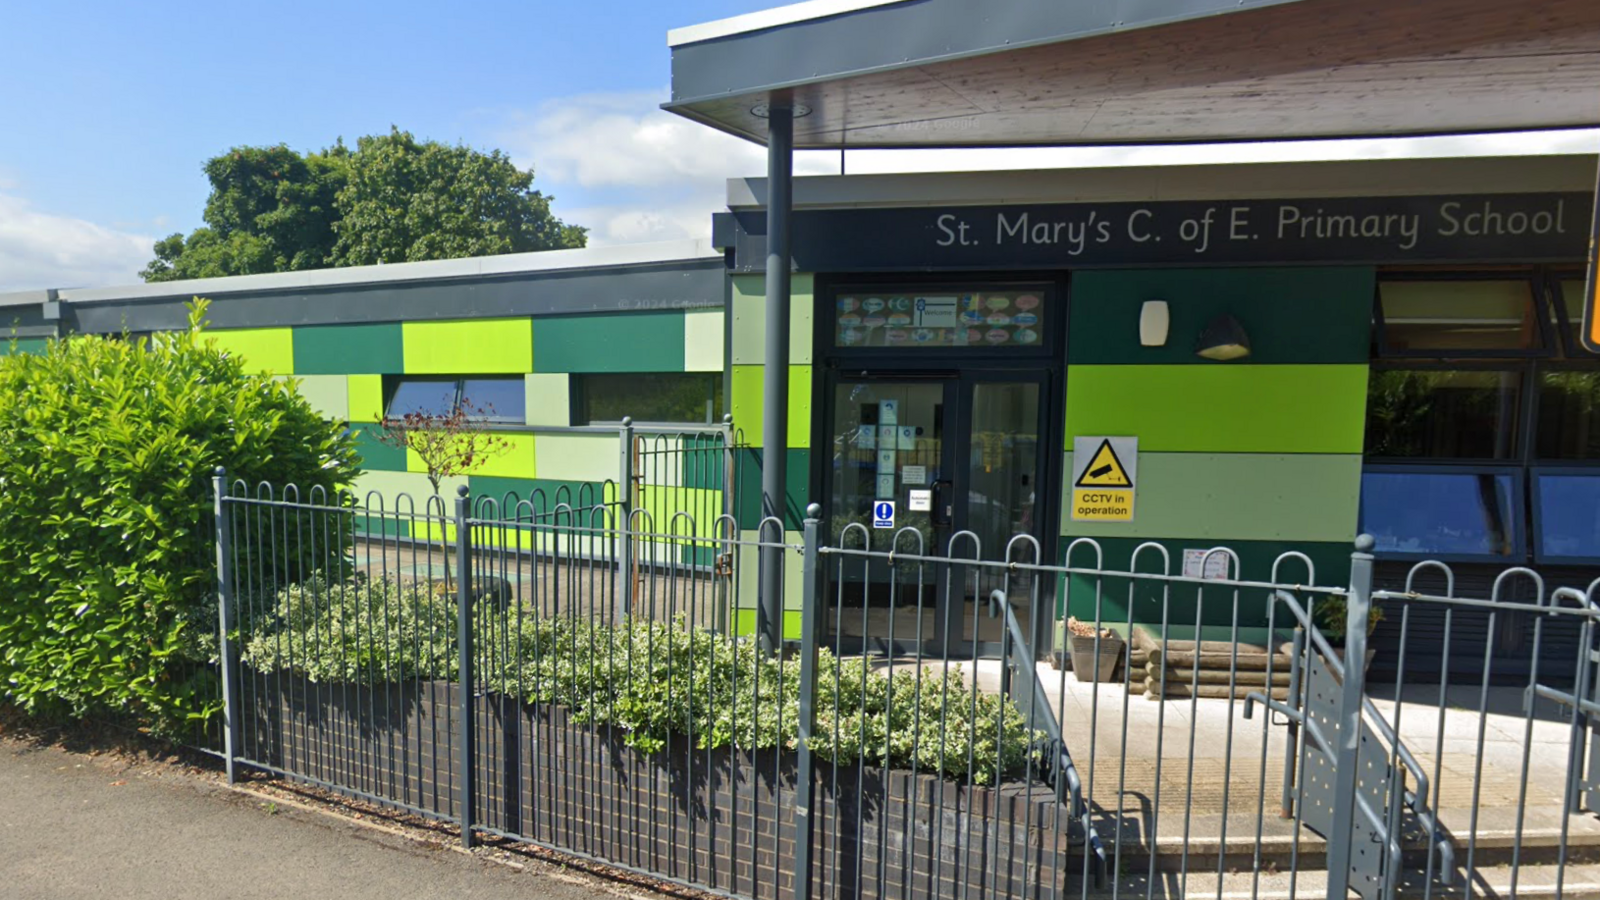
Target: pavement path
(76, 826)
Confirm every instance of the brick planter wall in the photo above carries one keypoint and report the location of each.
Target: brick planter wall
(722, 819)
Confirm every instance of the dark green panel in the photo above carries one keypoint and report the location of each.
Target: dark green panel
(747, 478)
(383, 526)
(632, 342)
(545, 494)
(1332, 562)
(704, 461)
(374, 453)
(1300, 315)
(348, 349)
(22, 345)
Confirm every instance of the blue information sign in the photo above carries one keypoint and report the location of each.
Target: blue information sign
(883, 514)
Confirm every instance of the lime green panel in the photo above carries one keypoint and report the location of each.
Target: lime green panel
(514, 459)
(548, 399)
(619, 342)
(1302, 315)
(468, 346)
(580, 457)
(700, 508)
(1221, 408)
(342, 349)
(366, 398)
(269, 350)
(749, 306)
(744, 623)
(748, 401)
(1226, 497)
(703, 340)
(329, 395)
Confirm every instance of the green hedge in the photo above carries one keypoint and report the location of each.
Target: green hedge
(650, 679)
(107, 564)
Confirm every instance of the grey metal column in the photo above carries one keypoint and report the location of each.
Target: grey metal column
(227, 653)
(468, 772)
(775, 407)
(805, 766)
(1358, 606)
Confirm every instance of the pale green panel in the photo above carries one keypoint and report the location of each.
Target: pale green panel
(329, 395)
(750, 571)
(750, 319)
(549, 399)
(703, 340)
(391, 485)
(1300, 497)
(579, 457)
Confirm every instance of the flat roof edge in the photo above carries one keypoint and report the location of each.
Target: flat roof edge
(544, 261)
(769, 18)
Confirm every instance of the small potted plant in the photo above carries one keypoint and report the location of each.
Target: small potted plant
(1089, 664)
(1332, 614)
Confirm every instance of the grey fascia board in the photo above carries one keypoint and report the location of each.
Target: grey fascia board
(24, 298)
(542, 262)
(769, 18)
(893, 36)
(1222, 181)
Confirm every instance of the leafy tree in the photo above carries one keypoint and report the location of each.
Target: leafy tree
(391, 199)
(270, 210)
(447, 443)
(107, 559)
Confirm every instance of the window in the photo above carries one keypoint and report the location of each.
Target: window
(1009, 320)
(692, 398)
(1568, 515)
(1441, 514)
(1460, 317)
(491, 400)
(1479, 386)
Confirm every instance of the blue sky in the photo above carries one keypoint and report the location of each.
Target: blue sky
(110, 108)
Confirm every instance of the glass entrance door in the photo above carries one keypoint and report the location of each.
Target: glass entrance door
(959, 458)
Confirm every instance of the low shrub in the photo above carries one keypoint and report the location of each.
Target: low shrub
(652, 680)
(107, 561)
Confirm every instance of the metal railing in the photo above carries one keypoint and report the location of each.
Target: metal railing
(588, 679)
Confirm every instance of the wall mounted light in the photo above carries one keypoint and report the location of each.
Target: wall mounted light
(1154, 320)
(1223, 338)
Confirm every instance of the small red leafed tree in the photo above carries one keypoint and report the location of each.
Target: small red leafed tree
(448, 444)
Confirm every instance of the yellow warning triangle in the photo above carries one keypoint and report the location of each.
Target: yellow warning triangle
(1105, 470)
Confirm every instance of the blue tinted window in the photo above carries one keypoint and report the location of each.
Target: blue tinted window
(499, 399)
(432, 398)
(1569, 515)
(1440, 513)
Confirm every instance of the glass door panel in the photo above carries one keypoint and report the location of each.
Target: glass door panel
(887, 443)
(1002, 492)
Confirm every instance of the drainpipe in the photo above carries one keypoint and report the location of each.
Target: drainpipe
(775, 407)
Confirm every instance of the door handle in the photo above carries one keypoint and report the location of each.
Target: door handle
(943, 511)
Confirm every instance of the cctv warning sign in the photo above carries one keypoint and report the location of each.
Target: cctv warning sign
(1103, 478)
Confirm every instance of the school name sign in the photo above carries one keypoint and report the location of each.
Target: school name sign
(1542, 227)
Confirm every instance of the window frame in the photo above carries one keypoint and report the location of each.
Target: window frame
(1517, 515)
(1536, 503)
(391, 386)
(1537, 281)
(578, 400)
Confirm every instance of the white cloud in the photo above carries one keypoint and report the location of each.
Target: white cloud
(632, 172)
(43, 250)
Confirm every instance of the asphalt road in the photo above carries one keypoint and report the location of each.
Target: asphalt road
(75, 827)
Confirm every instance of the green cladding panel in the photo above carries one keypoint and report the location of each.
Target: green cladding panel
(1222, 407)
(1085, 595)
(9, 345)
(1299, 315)
(620, 342)
(349, 349)
(374, 453)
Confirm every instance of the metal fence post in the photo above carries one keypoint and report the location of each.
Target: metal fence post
(227, 653)
(468, 779)
(810, 637)
(1358, 608)
(625, 548)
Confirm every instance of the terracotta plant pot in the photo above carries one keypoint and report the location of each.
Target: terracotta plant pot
(1082, 649)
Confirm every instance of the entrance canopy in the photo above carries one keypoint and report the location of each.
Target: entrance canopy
(954, 73)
